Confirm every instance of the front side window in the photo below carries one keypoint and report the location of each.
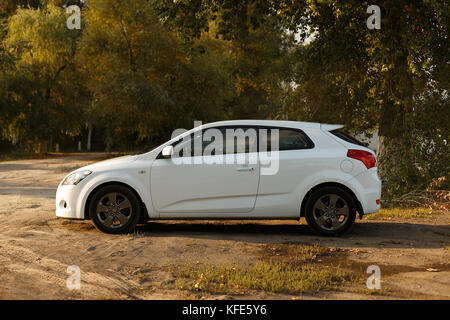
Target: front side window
(239, 140)
(217, 141)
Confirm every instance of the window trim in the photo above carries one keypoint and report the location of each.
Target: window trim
(311, 144)
(219, 128)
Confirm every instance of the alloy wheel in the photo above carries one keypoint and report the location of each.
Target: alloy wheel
(114, 210)
(330, 212)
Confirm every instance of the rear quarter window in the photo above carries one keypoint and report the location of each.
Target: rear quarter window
(347, 137)
(289, 139)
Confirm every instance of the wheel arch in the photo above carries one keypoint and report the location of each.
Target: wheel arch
(331, 184)
(144, 215)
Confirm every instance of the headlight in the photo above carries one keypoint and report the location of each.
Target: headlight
(75, 177)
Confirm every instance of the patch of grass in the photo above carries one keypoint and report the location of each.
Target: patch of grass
(294, 252)
(136, 234)
(266, 276)
(401, 213)
(293, 269)
(140, 275)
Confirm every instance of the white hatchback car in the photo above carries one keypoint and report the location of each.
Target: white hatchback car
(244, 169)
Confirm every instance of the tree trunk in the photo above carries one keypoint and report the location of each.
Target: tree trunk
(380, 146)
(42, 147)
(89, 140)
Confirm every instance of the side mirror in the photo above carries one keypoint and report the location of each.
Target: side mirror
(167, 152)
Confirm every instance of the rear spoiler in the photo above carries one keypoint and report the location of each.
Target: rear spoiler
(330, 127)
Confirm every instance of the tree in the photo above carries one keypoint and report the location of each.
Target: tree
(39, 86)
(8, 7)
(391, 79)
(259, 48)
(260, 65)
(140, 76)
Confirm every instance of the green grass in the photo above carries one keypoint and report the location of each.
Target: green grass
(402, 213)
(292, 270)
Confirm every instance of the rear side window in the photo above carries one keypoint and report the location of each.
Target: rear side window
(289, 139)
(346, 137)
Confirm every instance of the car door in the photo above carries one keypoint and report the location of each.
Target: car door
(293, 163)
(205, 183)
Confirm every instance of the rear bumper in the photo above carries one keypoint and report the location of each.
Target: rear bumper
(368, 185)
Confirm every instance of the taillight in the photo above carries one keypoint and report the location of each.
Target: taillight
(366, 157)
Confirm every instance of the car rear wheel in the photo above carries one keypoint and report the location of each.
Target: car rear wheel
(115, 209)
(330, 211)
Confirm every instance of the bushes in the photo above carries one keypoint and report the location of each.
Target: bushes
(420, 158)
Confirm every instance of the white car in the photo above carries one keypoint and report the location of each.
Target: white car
(280, 170)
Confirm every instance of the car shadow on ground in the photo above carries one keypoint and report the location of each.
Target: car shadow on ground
(367, 234)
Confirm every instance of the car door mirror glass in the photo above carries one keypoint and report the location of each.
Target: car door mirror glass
(167, 152)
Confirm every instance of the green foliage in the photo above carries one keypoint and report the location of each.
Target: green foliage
(394, 80)
(8, 7)
(260, 64)
(140, 75)
(233, 18)
(368, 79)
(38, 86)
(126, 56)
(423, 154)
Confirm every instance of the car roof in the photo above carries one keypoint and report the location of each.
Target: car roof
(274, 123)
(269, 123)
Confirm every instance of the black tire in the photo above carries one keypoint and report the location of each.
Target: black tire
(324, 218)
(110, 211)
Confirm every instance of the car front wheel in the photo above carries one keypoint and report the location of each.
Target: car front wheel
(330, 211)
(115, 209)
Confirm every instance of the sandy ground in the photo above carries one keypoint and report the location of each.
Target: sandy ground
(36, 248)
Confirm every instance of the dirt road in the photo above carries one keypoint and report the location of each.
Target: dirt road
(36, 248)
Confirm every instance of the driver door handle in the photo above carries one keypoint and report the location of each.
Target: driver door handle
(243, 169)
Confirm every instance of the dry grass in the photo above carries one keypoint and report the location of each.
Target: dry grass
(402, 213)
(294, 269)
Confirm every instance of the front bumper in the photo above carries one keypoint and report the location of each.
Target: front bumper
(67, 202)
